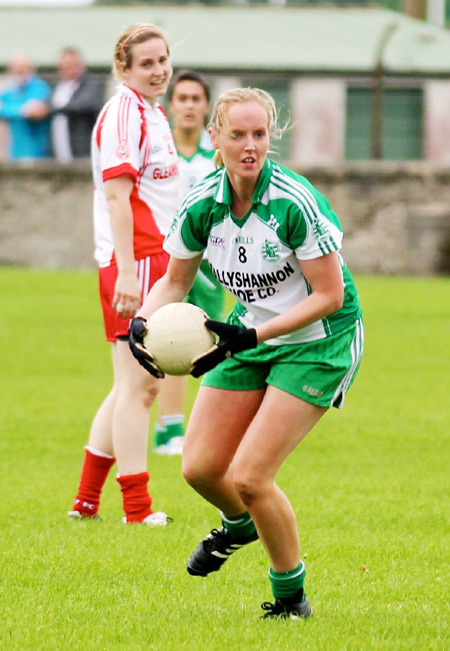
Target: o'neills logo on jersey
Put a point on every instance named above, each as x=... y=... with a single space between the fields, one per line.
x=166 y=171
x=242 y=240
x=122 y=150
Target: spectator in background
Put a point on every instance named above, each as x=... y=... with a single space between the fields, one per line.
x=23 y=106
x=76 y=101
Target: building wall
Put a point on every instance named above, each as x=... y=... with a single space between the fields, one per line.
x=396 y=218
x=318 y=116
x=437 y=122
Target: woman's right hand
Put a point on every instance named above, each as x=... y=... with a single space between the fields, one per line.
x=137 y=332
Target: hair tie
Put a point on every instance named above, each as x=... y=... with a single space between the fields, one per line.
x=129 y=37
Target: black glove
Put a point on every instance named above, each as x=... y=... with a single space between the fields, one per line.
x=233 y=339
x=138 y=330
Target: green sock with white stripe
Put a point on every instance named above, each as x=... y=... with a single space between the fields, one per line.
x=241 y=527
x=287 y=585
x=160 y=435
x=173 y=425
x=168 y=428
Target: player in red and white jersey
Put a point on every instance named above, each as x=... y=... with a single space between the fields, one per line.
x=137 y=191
x=133 y=138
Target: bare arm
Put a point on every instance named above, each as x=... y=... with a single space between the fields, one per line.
x=127 y=292
x=324 y=275
x=173 y=286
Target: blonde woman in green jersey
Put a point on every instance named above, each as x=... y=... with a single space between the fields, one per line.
x=290 y=348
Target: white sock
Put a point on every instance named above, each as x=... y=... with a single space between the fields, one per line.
x=98 y=453
x=174 y=419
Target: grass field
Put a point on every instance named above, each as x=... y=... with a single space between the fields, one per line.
x=370 y=487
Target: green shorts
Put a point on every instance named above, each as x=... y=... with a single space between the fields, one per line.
x=207 y=293
x=319 y=372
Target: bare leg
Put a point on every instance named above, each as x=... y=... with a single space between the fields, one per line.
x=235 y=444
x=280 y=424
x=216 y=426
x=136 y=392
x=120 y=427
x=172 y=395
x=100 y=436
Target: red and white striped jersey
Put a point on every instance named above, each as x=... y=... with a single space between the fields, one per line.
x=132 y=137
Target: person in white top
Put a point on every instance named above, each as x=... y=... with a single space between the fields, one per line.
x=75 y=103
x=189 y=102
x=137 y=191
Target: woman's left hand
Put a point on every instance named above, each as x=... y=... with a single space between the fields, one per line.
x=233 y=339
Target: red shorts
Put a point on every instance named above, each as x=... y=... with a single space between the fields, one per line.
x=149 y=270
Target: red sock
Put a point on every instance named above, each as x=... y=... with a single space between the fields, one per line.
x=136 y=498
x=93 y=476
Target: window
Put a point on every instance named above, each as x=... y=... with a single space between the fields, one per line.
x=401 y=124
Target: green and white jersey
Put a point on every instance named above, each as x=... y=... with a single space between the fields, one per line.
x=195 y=168
x=256 y=257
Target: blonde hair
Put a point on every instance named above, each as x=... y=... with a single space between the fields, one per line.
x=219 y=118
x=131 y=36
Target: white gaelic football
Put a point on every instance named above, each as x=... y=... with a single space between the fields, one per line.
x=176 y=335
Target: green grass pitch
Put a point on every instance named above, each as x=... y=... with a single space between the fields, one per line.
x=370 y=487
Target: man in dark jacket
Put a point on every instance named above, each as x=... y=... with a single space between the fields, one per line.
x=76 y=101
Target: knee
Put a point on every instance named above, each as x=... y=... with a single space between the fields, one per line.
x=198 y=474
x=144 y=392
x=189 y=473
x=150 y=392
x=194 y=474
x=249 y=486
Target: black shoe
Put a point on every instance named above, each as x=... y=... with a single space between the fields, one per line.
x=287 y=609
x=213 y=551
